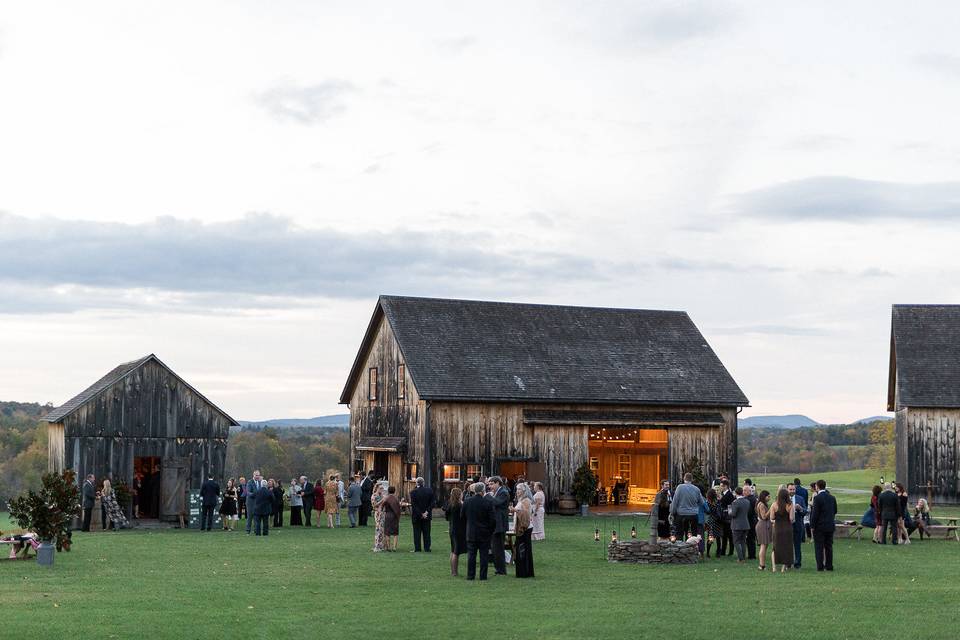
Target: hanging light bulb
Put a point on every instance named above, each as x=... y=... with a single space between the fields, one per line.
x=596 y=535
x=613 y=536
x=633 y=532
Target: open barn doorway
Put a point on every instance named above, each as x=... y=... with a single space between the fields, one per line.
x=147 y=481
x=629 y=462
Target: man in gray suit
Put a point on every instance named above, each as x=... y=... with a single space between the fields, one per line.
x=740 y=523
x=354 y=499
x=89 y=491
x=253 y=485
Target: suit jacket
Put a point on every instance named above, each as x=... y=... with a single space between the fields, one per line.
x=252 y=491
x=753 y=511
x=262 y=501
x=366 y=490
x=354 y=494
x=799 y=509
x=725 y=501
x=421 y=499
x=209 y=492
x=308 y=495
x=89 y=494
x=501 y=505
x=823 y=513
x=480 y=519
x=802 y=491
x=740 y=514
x=889 y=505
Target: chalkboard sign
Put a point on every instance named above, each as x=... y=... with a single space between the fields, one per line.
x=193 y=511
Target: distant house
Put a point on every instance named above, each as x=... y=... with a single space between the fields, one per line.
x=142 y=417
x=450 y=389
x=924 y=391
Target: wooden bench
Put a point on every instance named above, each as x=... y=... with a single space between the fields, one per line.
x=850 y=530
x=947 y=530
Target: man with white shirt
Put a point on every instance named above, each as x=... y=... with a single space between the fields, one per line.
x=799 y=511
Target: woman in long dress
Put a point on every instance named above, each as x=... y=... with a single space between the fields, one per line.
x=296 y=503
x=764 y=527
x=781 y=513
x=713 y=522
x=661 y=510
x=523 y=545
x=228 y=508
x=539 y=511
x=332 y=491
x=376 y=503
x=114 y=513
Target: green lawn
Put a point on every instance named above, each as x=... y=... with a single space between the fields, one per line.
x=318 y=583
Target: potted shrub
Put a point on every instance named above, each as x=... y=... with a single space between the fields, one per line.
x=49 y=513
x=584 y=487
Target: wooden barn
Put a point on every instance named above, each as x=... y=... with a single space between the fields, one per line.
x=450 y=389
x=142 y=418
x=924 y=391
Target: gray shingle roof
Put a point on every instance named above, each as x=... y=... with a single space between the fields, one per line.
x=471 y=350
x=925 y=356
x=381 y=443
x=116 y=374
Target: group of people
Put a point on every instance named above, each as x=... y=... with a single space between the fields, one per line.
x=263 y=499
x=739 y=520
x=890 y=512
x=111 y=513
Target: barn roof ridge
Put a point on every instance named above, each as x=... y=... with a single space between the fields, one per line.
x=115 y=375
x=529 y=352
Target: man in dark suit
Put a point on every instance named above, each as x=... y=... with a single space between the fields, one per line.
x=500 y=497
x=262 y=508
x=366 y=494
x=889 y=513
x=421 y=513
x=799 y=511
x=727 y=497
x=307 y=494
x=823 y=515
x=209 y=492
x=750 y=494
x=253 y=485
x=89 y=491
x=740 y=523
x=478 y=514
x=803 y=493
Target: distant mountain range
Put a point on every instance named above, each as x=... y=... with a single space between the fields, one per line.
x=337 y=420
x=794 y=421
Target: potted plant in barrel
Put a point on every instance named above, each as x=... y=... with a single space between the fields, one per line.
x=584 y=487
x=49 y=513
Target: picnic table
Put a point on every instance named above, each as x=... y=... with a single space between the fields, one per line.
x=20 y=545
x=856 y=529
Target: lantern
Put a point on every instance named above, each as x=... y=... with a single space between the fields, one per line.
x=613 y=536
x=596 y=535
x=633 y=532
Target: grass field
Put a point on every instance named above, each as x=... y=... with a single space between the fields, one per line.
x=317 y=583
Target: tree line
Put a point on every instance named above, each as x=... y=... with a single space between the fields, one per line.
x=823 y=448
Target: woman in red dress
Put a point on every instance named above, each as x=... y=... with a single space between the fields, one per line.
x=318 y=498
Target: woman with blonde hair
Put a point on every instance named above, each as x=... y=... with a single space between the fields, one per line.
x=921 y=516
x=523 y=545
x=376 y=503
x=110 y=506
x=331 y=491
x=539 y=511
x=228 y=508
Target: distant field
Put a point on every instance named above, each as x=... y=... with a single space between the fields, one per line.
x=305 y=583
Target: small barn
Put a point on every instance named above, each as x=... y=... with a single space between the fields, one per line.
x=451 y=389
x=142 y=418
x=924 y=391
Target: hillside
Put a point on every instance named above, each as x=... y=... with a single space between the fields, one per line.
x=793 y=421
x=336 y=420
x=819 y=448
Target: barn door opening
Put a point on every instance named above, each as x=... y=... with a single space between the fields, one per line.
x=381 y=464
x=146 y=474
x=175 y=474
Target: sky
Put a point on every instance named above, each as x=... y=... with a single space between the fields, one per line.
x=230 y=185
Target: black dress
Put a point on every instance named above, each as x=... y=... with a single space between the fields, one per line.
x=229 y=505
x=458 y=529
x=277 y=507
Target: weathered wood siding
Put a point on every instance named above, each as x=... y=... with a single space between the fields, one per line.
x=148 y=413
x=489 y=433
x=388 y=415
x=55 y=447
x=930 y=453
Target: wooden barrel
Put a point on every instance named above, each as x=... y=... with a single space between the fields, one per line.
x=567 y=505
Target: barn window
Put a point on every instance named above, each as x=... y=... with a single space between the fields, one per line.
x=412 y=469
x=372 y=395
x=451 y=473
x=401 y=381
x=474 y=470
x=595 y=464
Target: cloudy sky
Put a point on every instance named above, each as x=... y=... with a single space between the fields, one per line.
x=230 y=185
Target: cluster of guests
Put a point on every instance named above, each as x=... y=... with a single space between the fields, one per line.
x=263 y=499
x=738 y=520
x=111 y=513
x=889 y=512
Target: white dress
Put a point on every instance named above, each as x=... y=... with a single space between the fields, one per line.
x=536 y=517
